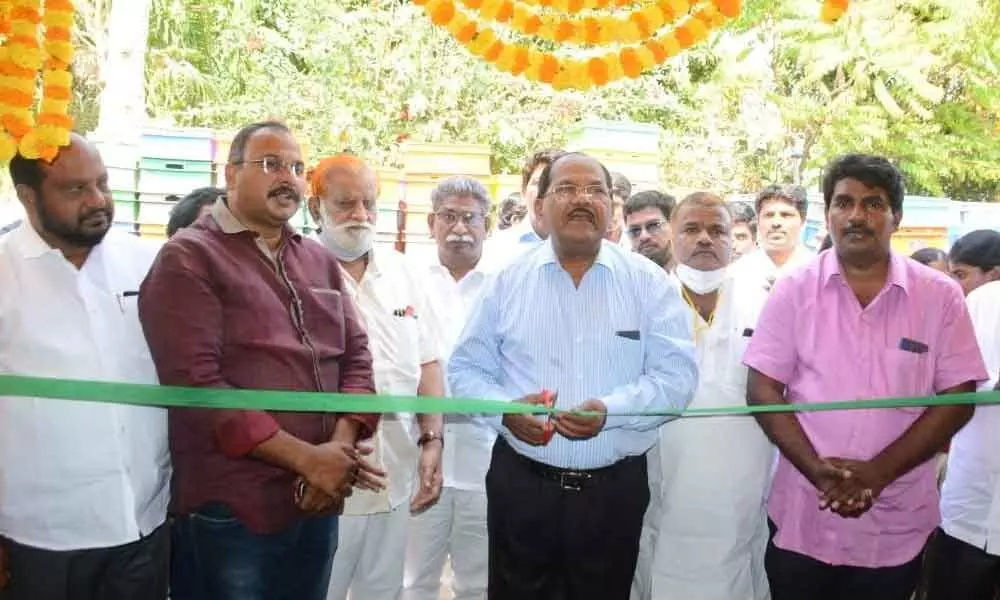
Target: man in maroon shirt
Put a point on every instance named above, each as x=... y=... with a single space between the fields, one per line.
x=241 y=300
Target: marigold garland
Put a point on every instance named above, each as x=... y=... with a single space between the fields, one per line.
x=22 y=58
x=651 y=33
x=638 y=25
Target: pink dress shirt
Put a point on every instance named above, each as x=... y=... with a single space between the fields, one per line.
x=814 y=336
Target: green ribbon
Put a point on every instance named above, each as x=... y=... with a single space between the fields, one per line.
x=279 y=400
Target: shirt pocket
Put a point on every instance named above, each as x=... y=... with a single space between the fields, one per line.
x=407 y=331
x=907 y=374
x=625 y=352
x=323 y=320
x=736 y=373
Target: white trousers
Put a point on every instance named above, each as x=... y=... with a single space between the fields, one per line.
x=455 y=527
x=370 y=554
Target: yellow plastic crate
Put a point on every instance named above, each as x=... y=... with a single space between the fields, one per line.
x=447 y=159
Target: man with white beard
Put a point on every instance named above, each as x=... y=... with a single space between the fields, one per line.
x=373 y=531
x=705 y=531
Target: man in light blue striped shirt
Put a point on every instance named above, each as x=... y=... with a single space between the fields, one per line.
x=605 y=331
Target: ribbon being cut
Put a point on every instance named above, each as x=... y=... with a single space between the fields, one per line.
x=280 y=400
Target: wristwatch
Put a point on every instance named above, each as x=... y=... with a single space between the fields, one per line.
x=430 y=436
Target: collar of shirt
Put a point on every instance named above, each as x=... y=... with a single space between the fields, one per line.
x=829 y=269
x=28 y=243
x=545 y=254
x=230 y=225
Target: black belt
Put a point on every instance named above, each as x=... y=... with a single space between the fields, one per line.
x=572 y=480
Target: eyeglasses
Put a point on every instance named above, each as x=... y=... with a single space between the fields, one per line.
x=469 y=219
x=569 y=191
x=652 y=228
x=273 y=164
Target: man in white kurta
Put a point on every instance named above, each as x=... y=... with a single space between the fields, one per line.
x=708 y=476
x=371 y=547
x=455 y=527
x=84 y=486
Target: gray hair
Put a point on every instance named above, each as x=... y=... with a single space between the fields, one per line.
x=460 y=185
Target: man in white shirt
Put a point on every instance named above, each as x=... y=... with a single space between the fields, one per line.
x=781 y=213
x=504 y=246
x=372 y=532
x=964 y=555
x=83 y=486
x=455 y=527
x=706 y=524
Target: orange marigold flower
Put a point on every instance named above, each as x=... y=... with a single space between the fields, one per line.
x=56 y=120
x=506 y=12
x=62 y=5
x=520 y=61
x=473 y=4
x=684 y=36
x=575 y=6
x=23 y=13
x=444 y=13
x=659 y=52
x=58 y=93
x=532 y=25
x=549 y=69
x=591 y=30
x=60 y=34
x=16 y=126
x=564 y=31
x=730 y=8
x=597 y=70
x=839 y=3
x=642 y=23
x=493 y=52
x=467 y=33
x=630 y=62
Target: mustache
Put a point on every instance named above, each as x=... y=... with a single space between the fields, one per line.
x=858 y=229
x=93 y=213
x=465 y=239
x=285 y=189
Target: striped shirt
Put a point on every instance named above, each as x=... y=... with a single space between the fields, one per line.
x=624 y=336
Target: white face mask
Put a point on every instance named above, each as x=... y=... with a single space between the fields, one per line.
x=348 y=241
x=700 y=282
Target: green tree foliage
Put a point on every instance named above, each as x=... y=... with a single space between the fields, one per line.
x=772 y=97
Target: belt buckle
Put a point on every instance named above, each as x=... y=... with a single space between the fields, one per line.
x=572 y=480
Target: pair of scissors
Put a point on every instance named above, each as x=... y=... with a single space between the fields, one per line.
x=549 y=430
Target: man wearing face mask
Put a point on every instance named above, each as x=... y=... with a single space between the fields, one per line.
x=373 y=531
x=706 y=524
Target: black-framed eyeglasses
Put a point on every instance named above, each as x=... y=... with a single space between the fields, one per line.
x=652 y=228
x=469 y=219
x=273 y=164
x=569 y=191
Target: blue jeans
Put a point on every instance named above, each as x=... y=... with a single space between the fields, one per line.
x=216 y=558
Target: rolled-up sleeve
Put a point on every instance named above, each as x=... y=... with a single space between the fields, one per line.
x=670 y=372
x=182 y=319
x=356 y=375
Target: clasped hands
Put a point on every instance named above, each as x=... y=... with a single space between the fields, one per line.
x=848 y=487
x=329 y=474
x=538 y=430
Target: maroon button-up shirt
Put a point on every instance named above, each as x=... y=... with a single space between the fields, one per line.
x=220 y=310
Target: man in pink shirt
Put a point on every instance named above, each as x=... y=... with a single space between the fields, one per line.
x=855 y=496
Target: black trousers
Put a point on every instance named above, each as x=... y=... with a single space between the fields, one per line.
x=959 y=571
x=136 y=571
x=572 y=540
x=794 y=576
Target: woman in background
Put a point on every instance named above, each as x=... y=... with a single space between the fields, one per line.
x=934 y=258
x=975 y=259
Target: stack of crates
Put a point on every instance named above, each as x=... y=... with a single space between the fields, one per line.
x=632 y=149
x=122 y=161
x=173 y=162
x=424 y=167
